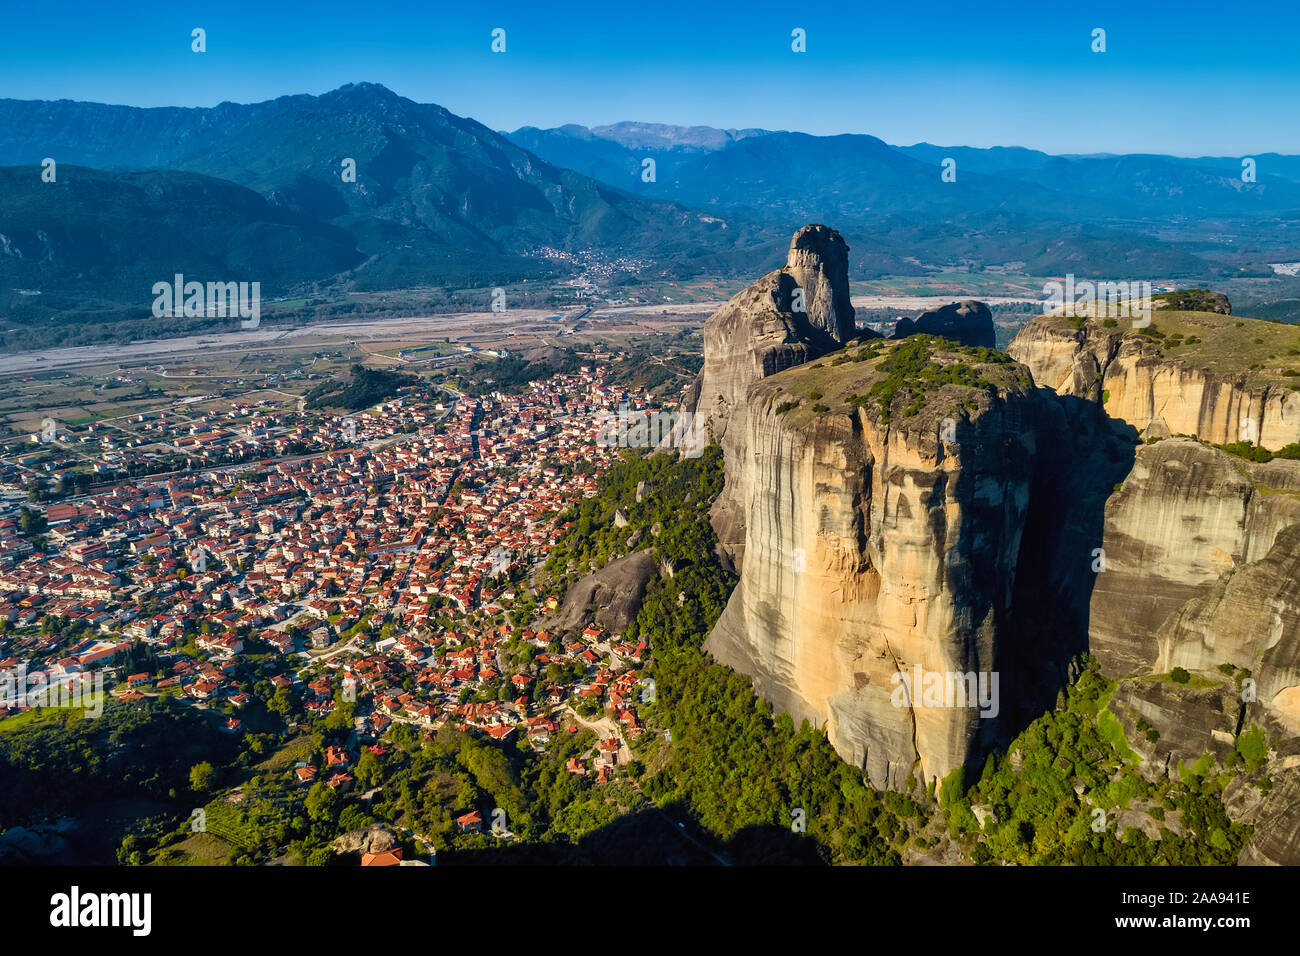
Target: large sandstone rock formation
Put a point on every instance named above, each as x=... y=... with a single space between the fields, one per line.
x=1200 y=550
x=1151 y=388
x=819 y=264
x=968 y=322
x=1005 y=527
x=1202 y=569
x=761 y=331
x=1186 y=516
x=1250 y=618
x=876 y=543
x=1197 y=545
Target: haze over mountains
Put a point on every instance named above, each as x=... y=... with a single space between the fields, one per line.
x=862 y=176
x=441 y=200
x=1098 y=186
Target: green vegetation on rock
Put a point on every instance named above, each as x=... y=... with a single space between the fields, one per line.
x=1063 y=794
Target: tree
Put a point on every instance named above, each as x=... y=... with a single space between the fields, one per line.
x=322 y=803
x=368 y=772
x=31 y=522
x=202 y=777
x=281 y=702
x=340 y=717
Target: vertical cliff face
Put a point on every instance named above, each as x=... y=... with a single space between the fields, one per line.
x=1161 y=385
x=1250 y=618
x=880 y=536
x=1184 y=518
x=1202 y=569
x=763 y=330
x=1273 y=812
x=1201 y=549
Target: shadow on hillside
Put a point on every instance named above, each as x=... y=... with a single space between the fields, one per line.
x=652 y=837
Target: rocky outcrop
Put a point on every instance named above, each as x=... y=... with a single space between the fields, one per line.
x=43 y=844
x=1185 y=721
x=611 y=596
x=968 y=322
x=1269 y=800
x=371 y=839
x=819 y=264
x=1184 y=517
x=1145 y=384
x=761 y=331
x=878 y=542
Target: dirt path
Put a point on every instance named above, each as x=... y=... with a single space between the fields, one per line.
x=604 y=728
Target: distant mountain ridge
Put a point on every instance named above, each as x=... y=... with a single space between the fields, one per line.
x=664 y=136
x=441 y=201
x=438 y=200
x=1095 y=213
x=426 y=179
x=751 y=169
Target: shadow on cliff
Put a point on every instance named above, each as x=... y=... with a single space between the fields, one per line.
x=1084 y=455
x=652 y=837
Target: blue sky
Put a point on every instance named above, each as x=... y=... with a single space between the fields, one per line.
x=1192 y=78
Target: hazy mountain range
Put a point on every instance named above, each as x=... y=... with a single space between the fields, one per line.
x=258 y=192
x=854 y=176
x=437 y=197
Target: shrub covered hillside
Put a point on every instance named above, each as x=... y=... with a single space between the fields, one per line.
x=750 y=780
x=743 y=775
x=1067 y=791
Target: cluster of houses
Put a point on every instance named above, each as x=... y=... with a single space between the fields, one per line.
x=433 y=511
x=448 y=672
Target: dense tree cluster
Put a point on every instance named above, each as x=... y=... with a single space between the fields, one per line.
x=364 y=387
x=1059 y=793
x=64 y=761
